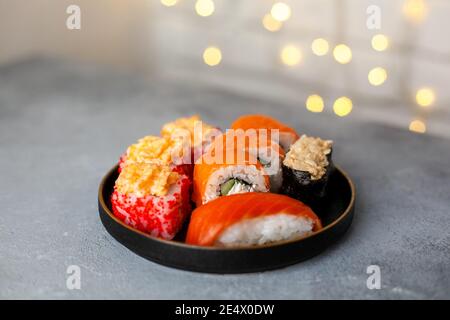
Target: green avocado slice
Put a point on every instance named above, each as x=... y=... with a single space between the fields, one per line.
x=226 y=186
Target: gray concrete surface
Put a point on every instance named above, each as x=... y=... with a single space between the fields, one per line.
x=62 y=126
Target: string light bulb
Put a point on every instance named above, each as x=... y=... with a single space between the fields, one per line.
x=342 y=54
x=415 y=10
x=320 y=47
x=169 y=3
x=281 y=11
x=425 y=97
x=212 y=56
x=380 y=42
x=314 y=103
x=418 y=126
x=291 y=55
x=342 y=106
x=204 y=8
x=270 y=23
x=377 y=76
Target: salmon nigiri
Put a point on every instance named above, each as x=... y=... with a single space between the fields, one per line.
x=258 y=121
x=250 y=219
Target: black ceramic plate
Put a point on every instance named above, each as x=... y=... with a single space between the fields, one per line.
x=336 y=214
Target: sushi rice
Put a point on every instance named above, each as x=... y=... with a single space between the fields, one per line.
x=264 y=230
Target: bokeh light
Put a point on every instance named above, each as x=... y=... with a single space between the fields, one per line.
x=169 y=3
x=342 y=106
x=271 y=24
x=415 y=10
x=418 y=126
x=342 y=54
x=291 y=55
x=320 y=47
x=314 y=103
x=204 y=8
x=212 y=56
x=377 y=76
x=425 y=97
x=281 y=11
x=380 y=42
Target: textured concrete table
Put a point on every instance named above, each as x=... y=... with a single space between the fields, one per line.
x=62 y=126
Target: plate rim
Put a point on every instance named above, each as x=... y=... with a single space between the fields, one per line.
x=343 y=215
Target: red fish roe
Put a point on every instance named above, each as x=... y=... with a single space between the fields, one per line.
x=159 y=216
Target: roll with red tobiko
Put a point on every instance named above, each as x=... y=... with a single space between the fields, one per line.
x=175 y=153
x=152 y=198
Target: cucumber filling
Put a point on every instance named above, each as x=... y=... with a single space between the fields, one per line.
x=234 y=186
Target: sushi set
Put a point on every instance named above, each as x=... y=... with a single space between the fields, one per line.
x=255 y=197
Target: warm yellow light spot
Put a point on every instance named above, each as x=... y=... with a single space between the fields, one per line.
x=425 y=97
x=291 y=55
x=380 y=42
x=377 y=76
x=271 y=24
x=314 y=103
x=280 y=11
x=342 y=54
x=204 y=8
x=169 y=3
x=212 y=56
x=417 y=126
x=342 y=106
x=415 y=10
x=320 y=47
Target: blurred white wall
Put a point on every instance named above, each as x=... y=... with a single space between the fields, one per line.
x=169 y=42
x=112 y=31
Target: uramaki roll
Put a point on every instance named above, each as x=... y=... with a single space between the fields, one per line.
x=152 y=198
x=223 y=172
x=257 y=144
x=194 y=131
x=287 y=135
x=175 y=153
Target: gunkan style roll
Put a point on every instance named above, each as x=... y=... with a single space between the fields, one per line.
x=306 y=169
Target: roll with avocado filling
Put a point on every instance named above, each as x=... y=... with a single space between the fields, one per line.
x=234 y=186
x=237 y=175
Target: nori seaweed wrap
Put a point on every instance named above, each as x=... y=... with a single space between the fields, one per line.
x=306 y=170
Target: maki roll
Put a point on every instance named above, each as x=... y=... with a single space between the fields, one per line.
x=222 y=172
x=307 y=168
x=287 y=135
x=251 y=219
x=152 y=198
